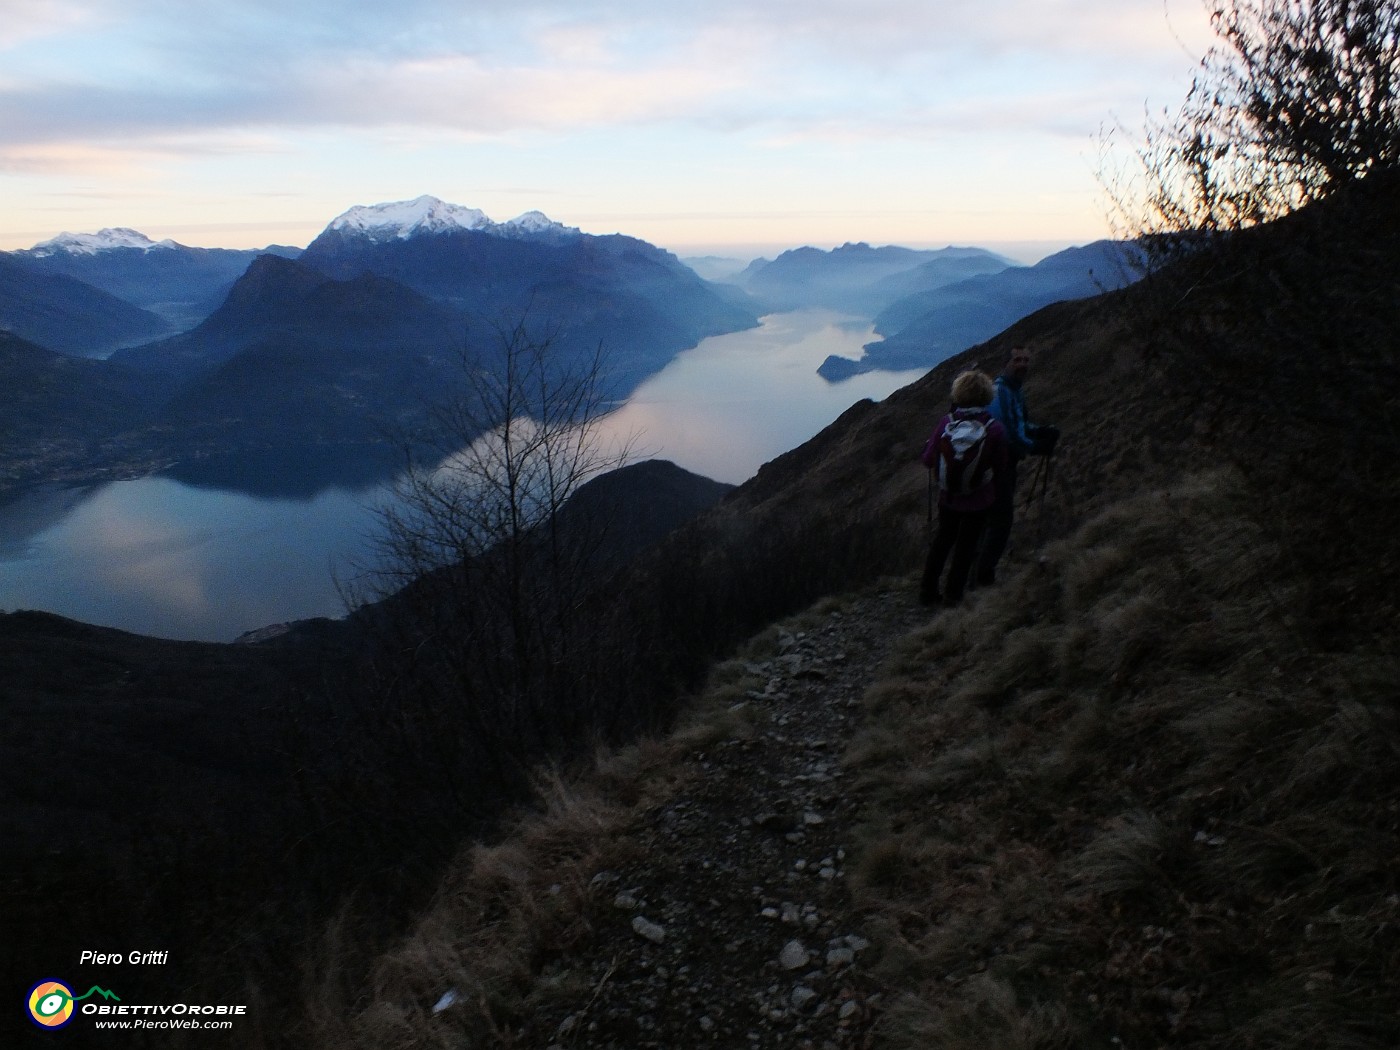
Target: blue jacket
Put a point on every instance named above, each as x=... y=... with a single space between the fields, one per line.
x=1009 y=409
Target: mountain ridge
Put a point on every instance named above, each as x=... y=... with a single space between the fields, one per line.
x=372 y=329
x=180 y=284
x=401 y=220
x=855 y=277
x=69 y=315
x=937 y=321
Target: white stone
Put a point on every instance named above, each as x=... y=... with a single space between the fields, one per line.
x=793 y=956
x=643 y=927
x=840 y=957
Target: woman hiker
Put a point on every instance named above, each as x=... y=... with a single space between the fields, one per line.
x=967 y=454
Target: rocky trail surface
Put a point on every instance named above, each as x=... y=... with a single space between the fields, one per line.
x=734 y=926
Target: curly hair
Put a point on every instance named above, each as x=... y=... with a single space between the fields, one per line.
x=973 y=390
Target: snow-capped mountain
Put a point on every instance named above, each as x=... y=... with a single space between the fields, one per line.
x=369 y=322
x=92 y=243
x=401 y=220
x=176 y=282
x=536 y=224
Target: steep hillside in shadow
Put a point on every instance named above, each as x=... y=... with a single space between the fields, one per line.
x=219 y=801
x=66 y=315
x=1140 y=792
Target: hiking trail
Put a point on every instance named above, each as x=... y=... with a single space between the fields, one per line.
x=733 y=927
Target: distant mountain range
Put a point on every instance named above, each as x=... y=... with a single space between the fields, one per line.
x=179 y=284
x=934 y=321
x=929 y=305
x=213 y=351
x=640 y=303
x=859 y=279
x=68 y=315
x=340 y=343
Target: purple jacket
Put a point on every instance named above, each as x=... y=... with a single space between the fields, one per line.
x=996 y=451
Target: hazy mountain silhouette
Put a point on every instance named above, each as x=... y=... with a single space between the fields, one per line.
x=67 y=315
x=931 y=325
x=640 y=303
x=857 y=278
x=183 y=285
x=294 y=356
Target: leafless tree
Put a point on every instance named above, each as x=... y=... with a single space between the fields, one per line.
x=1297 y=99
x=487 y=586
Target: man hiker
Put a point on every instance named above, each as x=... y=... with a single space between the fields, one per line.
x=1024 y=438
x=966 y=454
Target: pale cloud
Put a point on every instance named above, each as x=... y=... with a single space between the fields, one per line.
x=72 y=158
x=701 y=102
x=542 y=65
x=29 y=20
x=461 y=93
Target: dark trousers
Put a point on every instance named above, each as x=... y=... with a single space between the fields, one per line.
x=998 y=527
x=958 y=533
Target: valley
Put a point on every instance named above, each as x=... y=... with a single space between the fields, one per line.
x=253 y=538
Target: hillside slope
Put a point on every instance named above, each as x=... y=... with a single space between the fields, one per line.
x=1113 y=798
x=1139 y=793
x=66 y=315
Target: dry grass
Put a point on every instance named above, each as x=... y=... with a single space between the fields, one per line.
x=1120 y=798
x=509 y=909
x=1116 y=800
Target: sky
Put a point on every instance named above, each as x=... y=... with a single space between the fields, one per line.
x=729 y=127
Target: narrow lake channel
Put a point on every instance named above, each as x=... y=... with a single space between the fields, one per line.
x=164 y=557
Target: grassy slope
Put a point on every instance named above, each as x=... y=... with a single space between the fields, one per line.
x=1123 y=798
x=1119 y=797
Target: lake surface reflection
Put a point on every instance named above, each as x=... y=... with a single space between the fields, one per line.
x=734 y=402
x=212 y=553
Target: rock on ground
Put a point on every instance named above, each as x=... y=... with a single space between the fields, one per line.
x=734 y=926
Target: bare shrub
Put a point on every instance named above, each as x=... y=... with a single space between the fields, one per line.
x=488 y=592
x=1270 y=218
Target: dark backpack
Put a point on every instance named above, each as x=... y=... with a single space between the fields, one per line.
x=959 y=455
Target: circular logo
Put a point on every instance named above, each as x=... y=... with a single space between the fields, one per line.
x=51 y=1004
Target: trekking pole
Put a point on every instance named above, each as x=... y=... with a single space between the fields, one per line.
x=1048 y=466
x=928 y=530
x=1068 y=494
x=1035 y=480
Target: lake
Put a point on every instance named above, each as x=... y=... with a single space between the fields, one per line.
x=181 y=557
